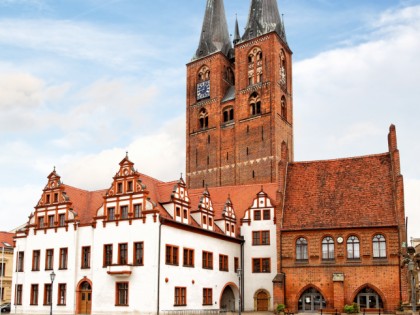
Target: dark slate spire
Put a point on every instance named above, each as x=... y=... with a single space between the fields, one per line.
x=214 y=34
x=263 y=18
x=237 y=37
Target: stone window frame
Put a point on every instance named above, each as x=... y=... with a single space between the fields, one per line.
x=301 y=249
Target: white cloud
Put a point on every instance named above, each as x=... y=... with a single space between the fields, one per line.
x=15 y=208
x=20 y=90
x=77 y=40
x=412 y=206
x=346 y=98
x=160 y=155
x=373 y=83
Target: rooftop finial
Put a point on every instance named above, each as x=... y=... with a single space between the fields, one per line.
x=126 y=154
x=237 y=37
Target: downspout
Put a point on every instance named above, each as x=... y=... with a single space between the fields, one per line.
x=241 y=289
x=281 y=238
x=76 y=246
x=161 y=220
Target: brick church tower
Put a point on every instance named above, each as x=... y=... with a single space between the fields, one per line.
x=239 y=99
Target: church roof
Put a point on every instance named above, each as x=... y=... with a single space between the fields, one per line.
x=264 y=18
x=214 y=34
x=352 y=192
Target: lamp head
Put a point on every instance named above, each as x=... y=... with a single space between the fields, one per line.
x=52 y=276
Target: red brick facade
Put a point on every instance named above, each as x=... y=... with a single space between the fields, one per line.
x=355 y=203
x=246 y=148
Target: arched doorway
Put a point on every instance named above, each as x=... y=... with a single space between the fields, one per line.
x=311 y=300
x=227 y=302
x=368 y=298
x=261 y=301
x=84 y=298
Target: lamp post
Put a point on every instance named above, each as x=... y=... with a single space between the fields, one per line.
x=412 y=260
x=239 y=274
x=52 y=277
x=2 y=273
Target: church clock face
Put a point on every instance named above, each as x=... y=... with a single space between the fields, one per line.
x=203 y=90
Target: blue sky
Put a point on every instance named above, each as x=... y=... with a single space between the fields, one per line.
x=83 y=81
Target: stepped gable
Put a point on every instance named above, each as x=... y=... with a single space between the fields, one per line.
x=85 y=203
x=351 y=192
x=242 y=197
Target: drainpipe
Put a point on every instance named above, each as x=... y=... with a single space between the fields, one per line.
x=242 y=285
x=161 y=221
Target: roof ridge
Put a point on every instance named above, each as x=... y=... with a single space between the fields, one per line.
x=359 y=157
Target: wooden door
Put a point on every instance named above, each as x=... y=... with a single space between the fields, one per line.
x=85 y=298
x=262 y=301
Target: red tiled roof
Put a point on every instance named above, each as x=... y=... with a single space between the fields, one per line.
x=241 y=197
x=165 y=190
x=340 y=193
x=84 y=202
x=6 y=237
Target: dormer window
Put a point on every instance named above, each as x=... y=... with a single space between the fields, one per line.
x=119 y=188
x=56 y=197
x=130 y=186
x=48 y=199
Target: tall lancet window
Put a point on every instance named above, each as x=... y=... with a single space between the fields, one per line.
x=255 y=66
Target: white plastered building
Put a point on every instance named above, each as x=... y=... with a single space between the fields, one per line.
x=145 y=246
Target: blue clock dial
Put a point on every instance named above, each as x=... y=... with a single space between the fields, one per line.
x=203 y=90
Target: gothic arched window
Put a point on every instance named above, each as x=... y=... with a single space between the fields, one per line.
x=203 y=119
x=255 y=104
x=353 y=247
x=301 y=249
x=328 y=248
x=228 y=114
x=379 y=246
x=204 y=74
x=283 y=72
x=255 y=69
x=283 y=108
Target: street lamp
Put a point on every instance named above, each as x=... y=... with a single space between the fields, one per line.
x=52 y=277
x=239 y=274
x=412 y=260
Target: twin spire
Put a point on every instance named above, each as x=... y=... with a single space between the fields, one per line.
x=214 y=34
x=263 y=18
